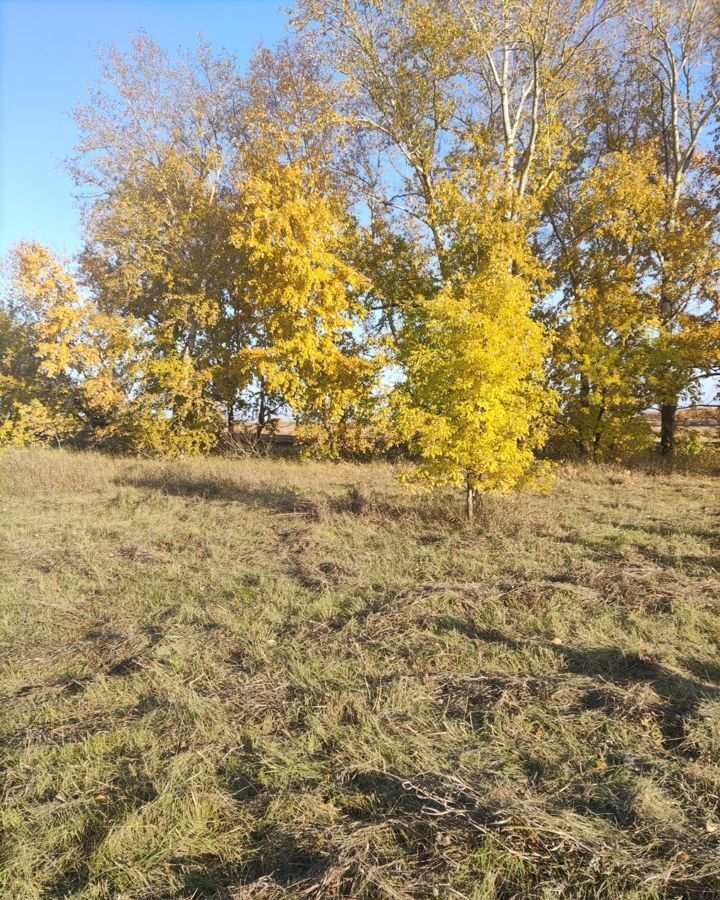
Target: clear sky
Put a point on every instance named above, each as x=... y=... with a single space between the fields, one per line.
x=48 y=58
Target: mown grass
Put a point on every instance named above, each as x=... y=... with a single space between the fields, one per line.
x=266 y=679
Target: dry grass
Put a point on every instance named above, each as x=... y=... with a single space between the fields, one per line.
x=267 y=679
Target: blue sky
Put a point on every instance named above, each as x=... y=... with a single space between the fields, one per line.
x=48 y=58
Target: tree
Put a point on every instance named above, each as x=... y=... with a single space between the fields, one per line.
x=221 y=230
x=157 y=152
x=605 y=321
x=306 y=295
x=474 y=405
x=673 y=47
x=460 y=117
x=70 y=369
x=293 y=227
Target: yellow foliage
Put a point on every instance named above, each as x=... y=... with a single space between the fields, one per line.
x=305 y=294
x=637 y=328
x=474 y=406
x=98 y=376
x=36 y=423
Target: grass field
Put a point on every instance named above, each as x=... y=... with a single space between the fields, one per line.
x=267 y=679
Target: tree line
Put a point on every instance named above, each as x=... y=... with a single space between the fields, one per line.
x=474 y=228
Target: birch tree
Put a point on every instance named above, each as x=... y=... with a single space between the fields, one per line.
x=464 y=112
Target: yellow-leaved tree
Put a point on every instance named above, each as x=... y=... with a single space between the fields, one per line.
x=76 y=366
x=462 y=119
x=474 y=404
x=292 y=228
x=673 y=50
x=307 y=297
x=159 y=139
x=606 y=320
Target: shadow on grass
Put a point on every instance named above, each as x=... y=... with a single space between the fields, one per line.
x=284 y=858
x=384 y=796
x=471 y=630
x=703 y=668
x=687 y=561
x=76 y=875
x=613 y=547
x=276 y=499
x=680 y=695
x=665 y=531
x=441 y=510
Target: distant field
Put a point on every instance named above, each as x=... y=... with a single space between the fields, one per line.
x=700 y=420
x=269 y=679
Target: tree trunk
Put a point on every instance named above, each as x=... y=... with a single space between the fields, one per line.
x=597 y=440
x=582 y=442
x=470 y=501
x=667 y=430
x=262 y=415
x=191 y=339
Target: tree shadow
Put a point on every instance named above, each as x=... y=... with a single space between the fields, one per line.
x=284 y=857
x=388 y=796
x=447 y=623
x=703 y=668
x=274 y=498
x=687 y=562
x=680 y=695
x=76 y=875
x=442 y=510
x=665 y=530
x=599 y=668
x=609 y=549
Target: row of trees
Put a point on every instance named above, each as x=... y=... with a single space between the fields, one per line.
x=471 y=226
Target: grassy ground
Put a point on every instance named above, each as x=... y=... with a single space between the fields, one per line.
x=267 y=679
